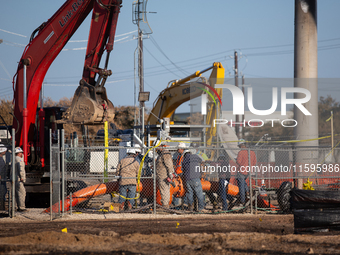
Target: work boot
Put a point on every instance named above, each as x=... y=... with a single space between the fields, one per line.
x=129 y=205
x=215 y=206
x=22 y=210
x=121 y=207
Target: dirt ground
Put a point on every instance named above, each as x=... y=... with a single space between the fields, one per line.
x=160 y=234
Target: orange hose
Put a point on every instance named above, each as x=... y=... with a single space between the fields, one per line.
x=85 y=194
x=107 y=188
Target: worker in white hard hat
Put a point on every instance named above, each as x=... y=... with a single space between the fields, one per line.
x=180 y=150
x=3 y=177
x=128 y=169
x=164 y=172
x=20 y=179
x=181 y=147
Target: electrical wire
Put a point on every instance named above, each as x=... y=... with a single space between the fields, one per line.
x=159 y=48
x=158 y=61
x=12 y=33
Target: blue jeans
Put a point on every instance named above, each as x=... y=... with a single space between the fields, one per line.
x=194 y=187
x=222 y=188
x=242 y=186
x=175 y=201
x=128 y=191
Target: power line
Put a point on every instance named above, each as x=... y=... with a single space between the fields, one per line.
x=159 y=48
x=159 y=61
x=12 y=33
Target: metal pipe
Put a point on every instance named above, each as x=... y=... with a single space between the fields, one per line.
x=24 y=116
x=154 y=181
x=51 y=175
x=250 y=184
x=143 y=126
x=13 y=173
x=59 y=177
x=42 y=128
x=71 y=203
x=63 y=168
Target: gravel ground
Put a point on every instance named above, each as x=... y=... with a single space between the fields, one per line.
x=37 y=214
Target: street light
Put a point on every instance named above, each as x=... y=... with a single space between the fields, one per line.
x=143 y=96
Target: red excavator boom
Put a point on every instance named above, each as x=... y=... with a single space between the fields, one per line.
x=90 y=104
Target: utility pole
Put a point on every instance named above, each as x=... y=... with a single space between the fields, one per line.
x=236 y=84
x=139 y=18
x=140 y=64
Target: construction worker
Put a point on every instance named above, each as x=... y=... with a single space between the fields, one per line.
x=224 y=178
x=164 y=172
x=20 y=179
x=178 y=167
x=243 y=169
x=128 y=169
x=192 y=181
x=3 y=177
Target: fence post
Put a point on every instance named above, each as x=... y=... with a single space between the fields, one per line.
x=250 y=182
x=71 y=203
x=51 y=174
x=62 y=170
x=13 y=173
x=154 y=181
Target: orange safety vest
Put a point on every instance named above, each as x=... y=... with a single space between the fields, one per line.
x=178 y=168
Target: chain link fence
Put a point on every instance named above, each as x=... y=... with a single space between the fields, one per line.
x=114 y=179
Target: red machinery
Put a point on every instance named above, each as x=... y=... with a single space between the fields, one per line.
x=90 y=104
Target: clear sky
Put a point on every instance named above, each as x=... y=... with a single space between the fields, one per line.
x=188 y=35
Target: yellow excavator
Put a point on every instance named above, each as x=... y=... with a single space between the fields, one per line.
x=180 y=91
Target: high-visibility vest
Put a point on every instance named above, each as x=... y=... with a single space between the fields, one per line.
x=178 y=168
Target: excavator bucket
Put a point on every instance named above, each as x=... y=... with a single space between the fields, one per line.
x=90 y=106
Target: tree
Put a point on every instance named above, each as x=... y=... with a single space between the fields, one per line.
x=326 y=105
x=278 y=132
x=5 y=110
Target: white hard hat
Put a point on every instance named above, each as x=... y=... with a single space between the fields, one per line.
x=182 y=145
x=186 y=151
x=2 y=148
x=18 y=150
x=241 y=141
x=131 y=151
x=137 y=148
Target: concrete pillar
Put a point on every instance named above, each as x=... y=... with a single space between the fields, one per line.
x=305 y=74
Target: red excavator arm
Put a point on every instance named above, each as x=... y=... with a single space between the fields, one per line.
x=90 y=104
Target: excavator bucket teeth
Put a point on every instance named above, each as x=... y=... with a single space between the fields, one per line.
x=90 y=106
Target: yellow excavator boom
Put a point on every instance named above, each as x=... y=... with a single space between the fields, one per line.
x=181 y=91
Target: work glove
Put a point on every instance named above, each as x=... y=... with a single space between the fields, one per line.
x=171 y=182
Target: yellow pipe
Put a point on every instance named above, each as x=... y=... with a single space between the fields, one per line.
x=106 y=151
x=184 y=80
